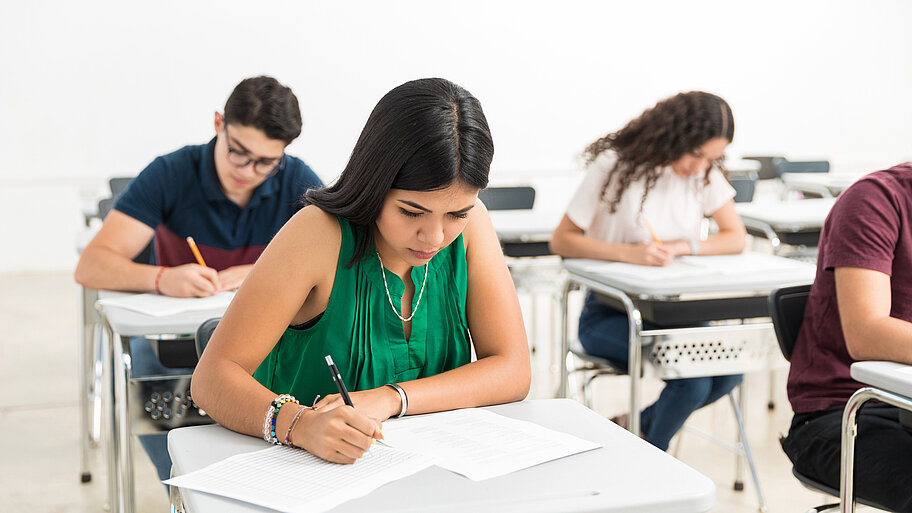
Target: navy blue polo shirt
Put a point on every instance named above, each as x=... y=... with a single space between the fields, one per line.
x=179 y=195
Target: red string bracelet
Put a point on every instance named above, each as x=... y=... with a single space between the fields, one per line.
x=157 y=278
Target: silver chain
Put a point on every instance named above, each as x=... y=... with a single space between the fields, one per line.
x=390 y=298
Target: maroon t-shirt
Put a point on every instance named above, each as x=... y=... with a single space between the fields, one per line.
x=870 y=227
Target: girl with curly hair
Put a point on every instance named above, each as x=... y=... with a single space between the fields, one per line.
x=647 y=189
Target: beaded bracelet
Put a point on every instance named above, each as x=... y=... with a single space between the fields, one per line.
x=272 y=413
x=292 y=425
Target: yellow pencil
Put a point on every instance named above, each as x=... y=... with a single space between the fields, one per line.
x=651 y=231
x=196 y=252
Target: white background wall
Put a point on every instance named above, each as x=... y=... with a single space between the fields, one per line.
x=90 y=90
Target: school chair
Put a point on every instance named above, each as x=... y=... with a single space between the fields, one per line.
x=786 y=306
x=744 y=185
x=593 y=367
x=91 y=364
x=204 y=333
x=514 y=198
x=768 y=166
x=532 y=266
x=118 y=184
x=810 y=166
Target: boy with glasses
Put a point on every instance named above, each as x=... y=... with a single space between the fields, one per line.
x=231 y=195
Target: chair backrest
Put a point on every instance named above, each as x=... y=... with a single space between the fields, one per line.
x=808 y=166
x=104 y=208
x=508 y=198
x=204 y=333
x=118 y=184
x=786 y=307
x=768 y=166
x=744 y=185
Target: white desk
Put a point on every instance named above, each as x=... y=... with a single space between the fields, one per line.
x=118 y=323
x=827 y=185
x=889 y=382
x=627 y=475
x=525 y=225
x=795 y=223
x=700 y=296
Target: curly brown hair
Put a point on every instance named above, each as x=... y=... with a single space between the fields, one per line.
x=659 y=137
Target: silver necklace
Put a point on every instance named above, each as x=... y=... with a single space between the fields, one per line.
x=390 y=298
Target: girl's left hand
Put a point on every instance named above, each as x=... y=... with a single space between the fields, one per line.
x=378 y=403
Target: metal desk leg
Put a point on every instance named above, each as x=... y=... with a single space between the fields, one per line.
x=87 y=388
x=565 y=343
x=112 y=452
x=850 y=429
x=122 y=426
x=634 y=361
x=744 y=450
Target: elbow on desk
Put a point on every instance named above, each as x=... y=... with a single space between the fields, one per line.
x=557 y=245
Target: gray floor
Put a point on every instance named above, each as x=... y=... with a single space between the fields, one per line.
x=39 y=323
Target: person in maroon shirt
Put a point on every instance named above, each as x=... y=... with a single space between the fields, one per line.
x=860 y=308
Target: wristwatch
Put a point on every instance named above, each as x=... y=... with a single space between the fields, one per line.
x=694 y=247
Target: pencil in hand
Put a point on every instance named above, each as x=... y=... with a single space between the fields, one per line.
x=196 y=252
x=651 y=231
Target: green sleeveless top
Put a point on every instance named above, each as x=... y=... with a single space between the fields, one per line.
x=364 y=336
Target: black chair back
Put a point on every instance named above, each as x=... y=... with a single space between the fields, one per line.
x=104 y=208
x=809 y=166
x=786 y=307
x=508 y=198
x=204 y=333
x=769 y=166
x=118 y=184
x=744 y=185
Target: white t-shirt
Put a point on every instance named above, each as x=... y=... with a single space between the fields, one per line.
x=675 y=207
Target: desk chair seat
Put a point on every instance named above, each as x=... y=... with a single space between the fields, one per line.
x=786 y=307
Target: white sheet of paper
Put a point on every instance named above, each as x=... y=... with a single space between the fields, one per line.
x=480 y=444
x=677 y=269
x=745 y=263
x=158 y=306
x=293 y=480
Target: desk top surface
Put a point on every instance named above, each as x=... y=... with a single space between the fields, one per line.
x=525 y=225
x=135 y=324
x=743 y=275
x=890 y=376
x=787 y=215
x=837 y=182
x=621 y=476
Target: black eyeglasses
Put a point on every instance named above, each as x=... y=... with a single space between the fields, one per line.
x=264 y=167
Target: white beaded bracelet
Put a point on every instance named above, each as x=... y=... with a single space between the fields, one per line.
x=402 y=396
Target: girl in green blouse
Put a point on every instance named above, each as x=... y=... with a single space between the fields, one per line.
x=388 y=271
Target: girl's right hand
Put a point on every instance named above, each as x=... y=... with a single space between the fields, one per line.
x=650 y=254
x=339 y=435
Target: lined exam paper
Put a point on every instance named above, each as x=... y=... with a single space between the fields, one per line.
x=293 y=480
x=480 y=444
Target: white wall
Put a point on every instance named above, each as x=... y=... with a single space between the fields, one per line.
x=90 y=90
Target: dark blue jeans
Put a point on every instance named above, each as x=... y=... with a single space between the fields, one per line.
x=604 y=331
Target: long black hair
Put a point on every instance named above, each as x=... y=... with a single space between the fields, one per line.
x=422 y=136
x=661 y=135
